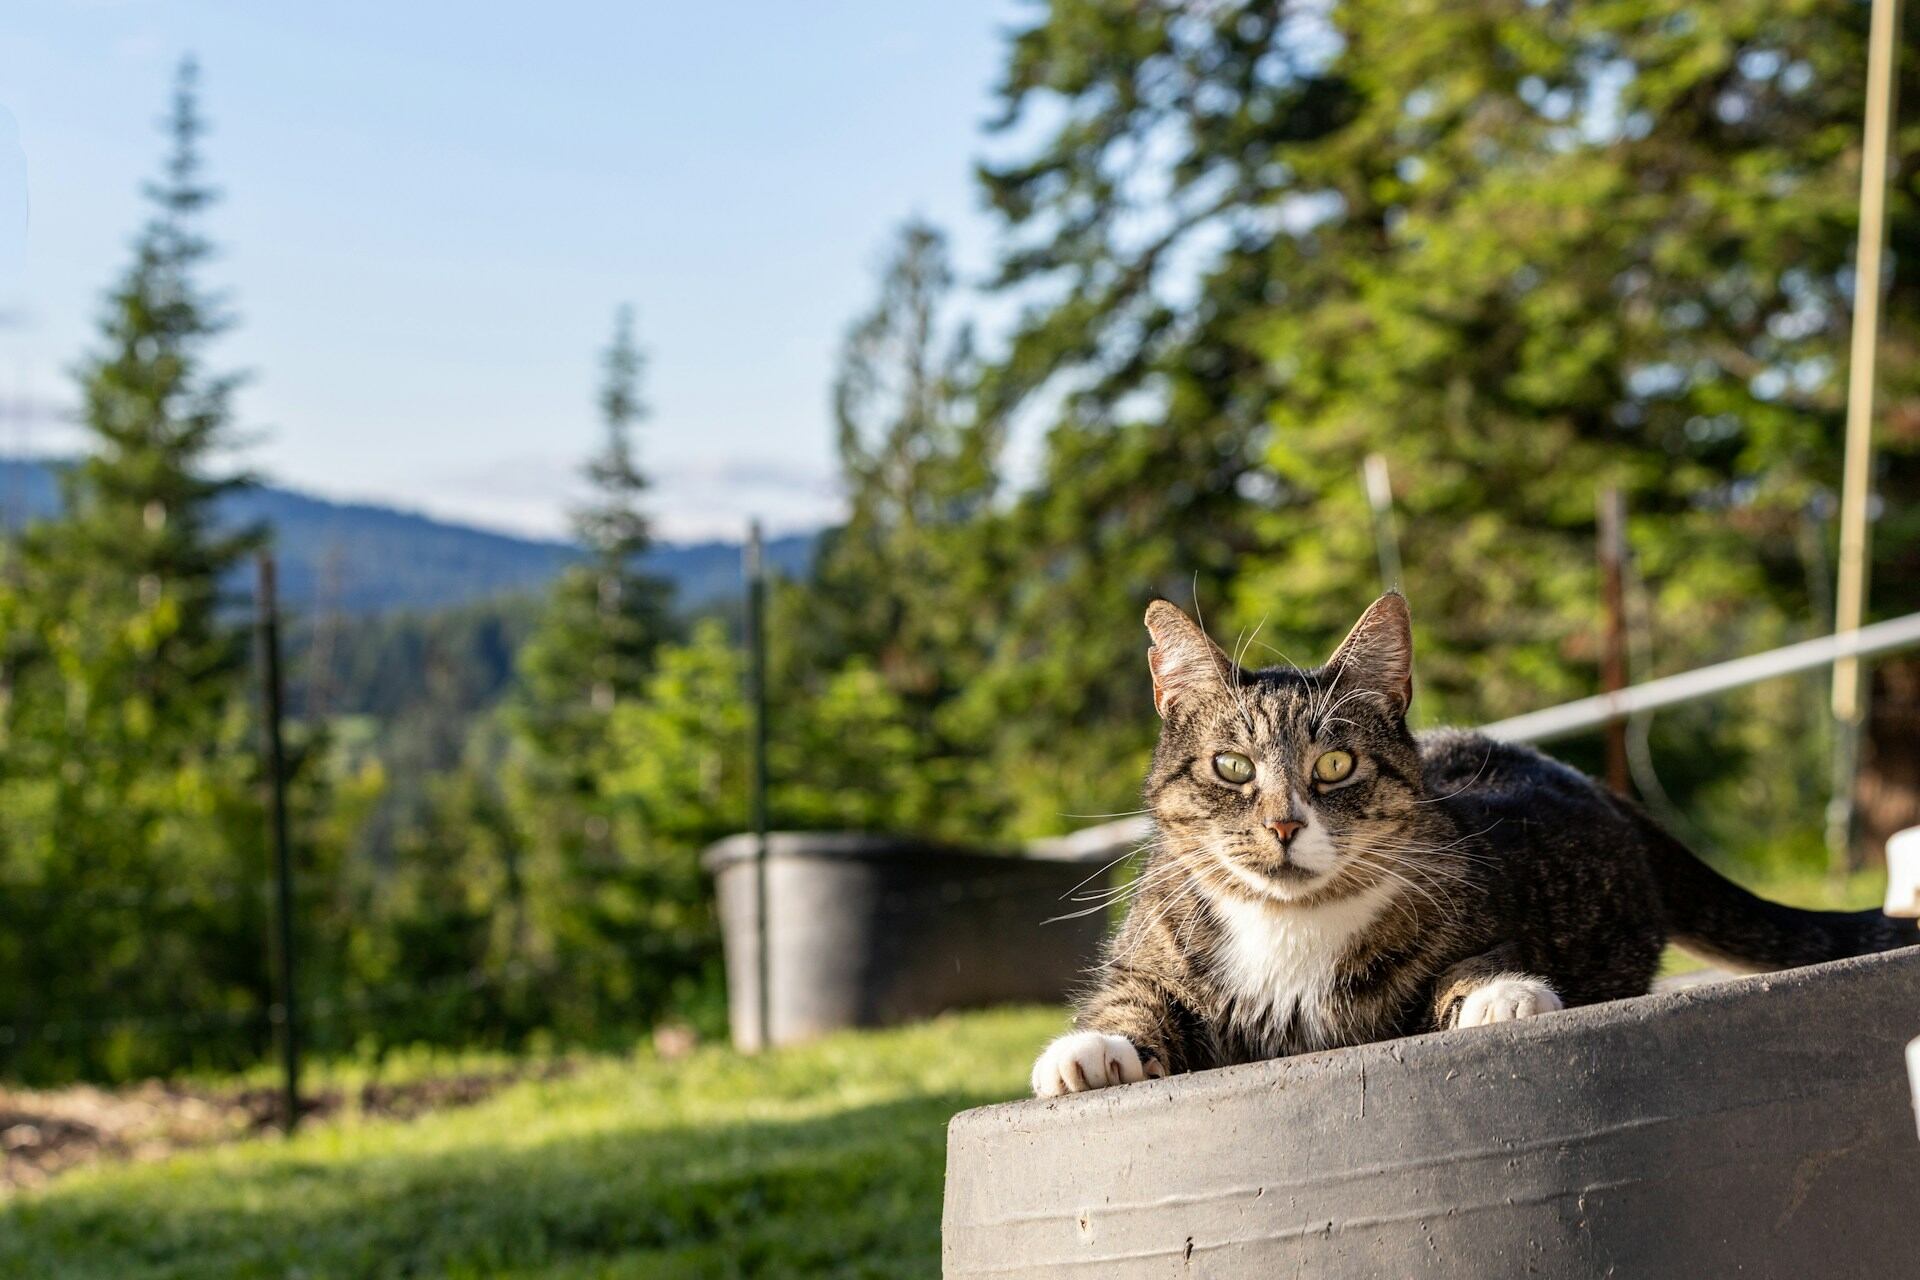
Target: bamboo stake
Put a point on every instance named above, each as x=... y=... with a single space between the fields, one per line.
x=1849 y=693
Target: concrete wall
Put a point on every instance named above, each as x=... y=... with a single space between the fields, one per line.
x=1757 y=1127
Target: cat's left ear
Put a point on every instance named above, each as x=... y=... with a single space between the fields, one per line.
x=1377 y=654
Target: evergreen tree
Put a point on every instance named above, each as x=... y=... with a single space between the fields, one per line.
x=130 y=798
x=605 y=617
x=138 y=534
x=1523 y=250
x=908 y=586
x=593 y=873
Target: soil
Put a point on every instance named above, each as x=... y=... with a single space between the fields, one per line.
x=46 y=1132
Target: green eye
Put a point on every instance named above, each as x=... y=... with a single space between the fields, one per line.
x=1233 y=767
x=1333 y=766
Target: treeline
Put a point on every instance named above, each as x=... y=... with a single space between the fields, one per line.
x=1522 y=252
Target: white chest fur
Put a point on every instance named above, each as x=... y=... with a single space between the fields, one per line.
x=1279 y=959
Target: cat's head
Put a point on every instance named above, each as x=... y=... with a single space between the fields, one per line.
x=1285 y=784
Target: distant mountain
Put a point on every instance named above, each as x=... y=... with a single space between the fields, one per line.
x=366 y=559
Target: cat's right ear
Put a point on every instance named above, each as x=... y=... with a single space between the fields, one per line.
x=1183 y=661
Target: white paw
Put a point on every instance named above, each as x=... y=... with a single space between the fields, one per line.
x=1083 y=1060
x=1505 y=999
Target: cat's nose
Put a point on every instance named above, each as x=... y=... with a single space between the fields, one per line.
x=1284 y=828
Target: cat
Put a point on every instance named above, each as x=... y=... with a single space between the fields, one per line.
x=1324 y=877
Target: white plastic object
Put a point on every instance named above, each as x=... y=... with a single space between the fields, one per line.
x=1903 y=873
x=1913 y=1074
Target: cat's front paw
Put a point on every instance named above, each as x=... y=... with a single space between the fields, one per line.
x=1506 y=1000
x=1083 y=1060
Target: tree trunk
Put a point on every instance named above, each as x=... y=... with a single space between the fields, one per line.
x=1887 y=794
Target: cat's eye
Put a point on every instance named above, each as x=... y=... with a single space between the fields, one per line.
x=1233 y=767
x=1333 y=766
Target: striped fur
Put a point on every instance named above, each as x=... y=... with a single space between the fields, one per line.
x=1448 y=880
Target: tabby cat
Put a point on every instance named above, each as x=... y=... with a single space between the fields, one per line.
x=1324 y=877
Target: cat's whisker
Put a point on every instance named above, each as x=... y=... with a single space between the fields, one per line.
x=1426 y=860
x=1305 y=673
x=1440 y=881
x=1451 y=852
x=1465 y=837
x=1175 y=866
x=1425 y=891
x=1231 y=687
x=1468 y=783
x=1240 y=653
x=1427 y=865
x=1131 y=887
x=1134 y=852
x=1239 y=693
x=1451 y=849
x=1345 y=698
x=1147 y=930
x=1317 y=708
x=1437 y=895
x=1287 y=660
x=1171 y=868
x=1064 y=916
x=1239 y=663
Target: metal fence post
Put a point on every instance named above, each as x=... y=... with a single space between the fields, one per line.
x=285 y=1021
x=756 y=574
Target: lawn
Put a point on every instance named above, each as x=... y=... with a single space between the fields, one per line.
x=821 y=1160
x=826 y=1159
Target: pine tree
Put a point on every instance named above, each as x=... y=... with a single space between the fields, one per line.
x=910 y=587
x=130 y=794
x=902 y=583
x=1523 y=250
x=592 y=868
x=606 y=616
x=138 y=535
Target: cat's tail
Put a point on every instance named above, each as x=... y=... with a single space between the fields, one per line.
x=1717 y=920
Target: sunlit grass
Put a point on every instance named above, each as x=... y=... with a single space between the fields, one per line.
x=826 y=1159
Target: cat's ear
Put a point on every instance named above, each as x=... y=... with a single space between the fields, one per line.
x=1377 y=655
x=1183 y=661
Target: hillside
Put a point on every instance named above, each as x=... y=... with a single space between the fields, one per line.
x=363 y=558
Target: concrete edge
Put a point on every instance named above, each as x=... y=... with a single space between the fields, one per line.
x=1436 y=1049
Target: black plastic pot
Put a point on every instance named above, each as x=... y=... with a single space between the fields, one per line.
x=868 y=930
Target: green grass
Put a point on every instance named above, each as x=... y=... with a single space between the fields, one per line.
x=821 y=1160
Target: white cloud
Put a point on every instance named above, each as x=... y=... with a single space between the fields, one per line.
x=714 y=498
x=13 y=212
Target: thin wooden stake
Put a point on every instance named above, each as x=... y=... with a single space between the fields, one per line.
x=1849 y=693
x=1613 y=652
x=1386 y=538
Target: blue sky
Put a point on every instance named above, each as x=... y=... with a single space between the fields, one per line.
x=433 y=209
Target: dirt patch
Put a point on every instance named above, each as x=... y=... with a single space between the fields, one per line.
x=45 y=1132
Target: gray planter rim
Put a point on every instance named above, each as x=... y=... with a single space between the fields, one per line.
x=866 y=846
